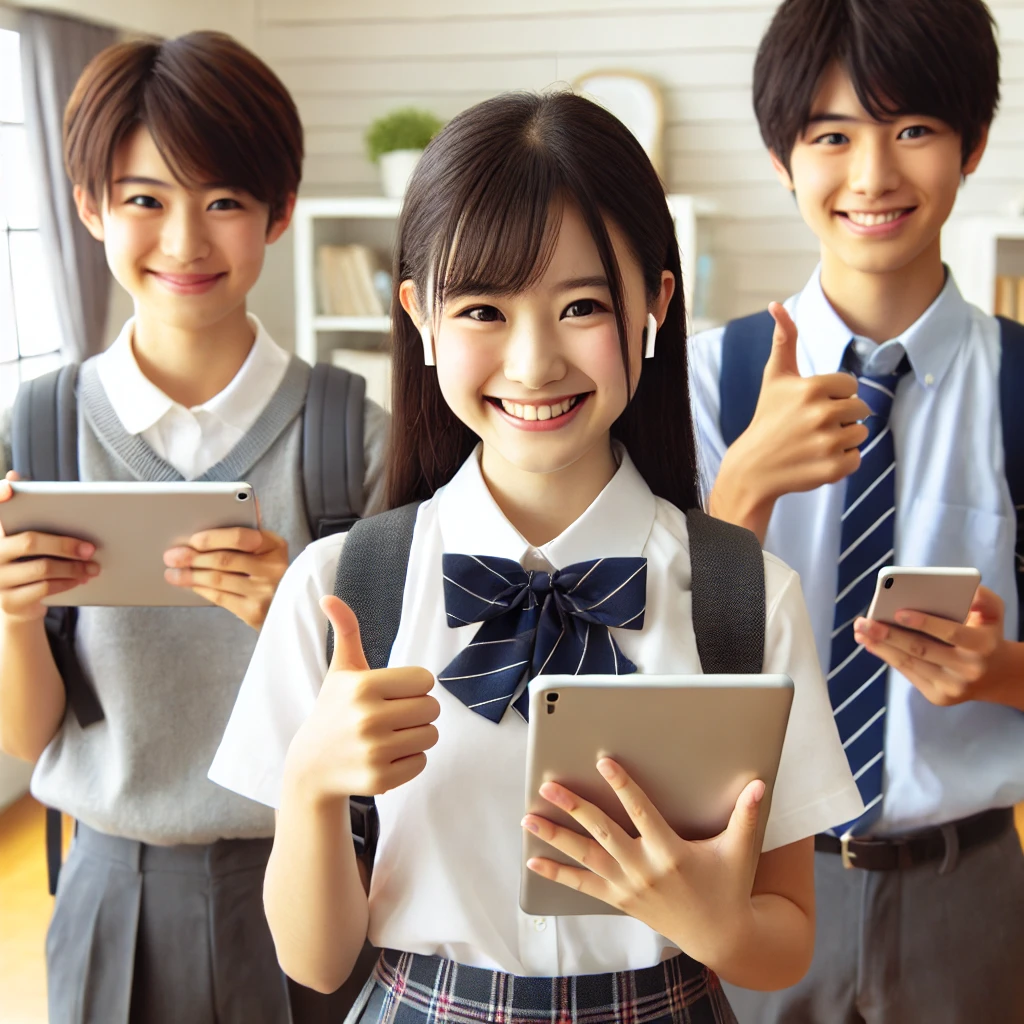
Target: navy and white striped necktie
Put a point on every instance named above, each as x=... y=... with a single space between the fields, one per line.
x=536 y=622
x=857 y=679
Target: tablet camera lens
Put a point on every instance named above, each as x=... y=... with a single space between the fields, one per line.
x=888 y=583
x=551 y=698
x=242 y=495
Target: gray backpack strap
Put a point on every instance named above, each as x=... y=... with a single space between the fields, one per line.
x=371 y=581
x=727 y=583
x=45 y=426
x=45 y=447
x=333 y=463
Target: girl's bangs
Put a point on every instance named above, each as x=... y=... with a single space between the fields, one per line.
x=500 y=236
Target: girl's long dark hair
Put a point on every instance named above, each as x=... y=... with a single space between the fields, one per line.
x=477 y=217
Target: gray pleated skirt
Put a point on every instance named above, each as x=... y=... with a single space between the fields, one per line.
x=167 y=935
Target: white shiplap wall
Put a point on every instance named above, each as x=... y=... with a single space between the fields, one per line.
x=348 y=62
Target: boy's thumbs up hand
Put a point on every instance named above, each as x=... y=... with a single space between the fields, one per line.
x=805 y=432
x=370 y=729
x=782 y=360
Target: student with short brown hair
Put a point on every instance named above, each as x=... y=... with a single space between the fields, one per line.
x=185 y=156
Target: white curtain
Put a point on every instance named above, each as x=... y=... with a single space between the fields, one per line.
x=54 y=51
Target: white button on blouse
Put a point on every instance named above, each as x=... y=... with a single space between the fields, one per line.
x=446 y=878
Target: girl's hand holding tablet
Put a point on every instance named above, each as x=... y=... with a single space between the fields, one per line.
x=683 y=890
x=37 y=565
x=369 y=730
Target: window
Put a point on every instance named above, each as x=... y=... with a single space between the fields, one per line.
x=29 y=330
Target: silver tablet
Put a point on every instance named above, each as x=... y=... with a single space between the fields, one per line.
x=132 y=525
x=691 y=743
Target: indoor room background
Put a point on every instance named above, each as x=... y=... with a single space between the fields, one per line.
x=348 y=63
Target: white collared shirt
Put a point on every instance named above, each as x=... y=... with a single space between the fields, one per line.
x=446 y=877
x=953 y=507
x=191 y=440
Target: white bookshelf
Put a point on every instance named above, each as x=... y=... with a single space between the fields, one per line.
x=976 y=249
x=360 y=343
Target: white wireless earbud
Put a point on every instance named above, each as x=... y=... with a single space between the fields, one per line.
x=428 y=344
x=426 y=328
x=650 y=333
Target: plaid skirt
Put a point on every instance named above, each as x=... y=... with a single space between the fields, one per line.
x=407 y=988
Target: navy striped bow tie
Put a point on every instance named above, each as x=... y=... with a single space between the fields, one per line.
x=536 y=622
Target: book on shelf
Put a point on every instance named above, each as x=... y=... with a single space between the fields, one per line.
x=347 y=281
x=1009 y=297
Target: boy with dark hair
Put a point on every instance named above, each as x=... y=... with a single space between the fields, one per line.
x=185 y=156
x=874 y=436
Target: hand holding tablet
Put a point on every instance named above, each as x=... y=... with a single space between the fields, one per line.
x=627 y=776
x=236 y=568
x=37 y=566
x=681 y=889
x=207 y=533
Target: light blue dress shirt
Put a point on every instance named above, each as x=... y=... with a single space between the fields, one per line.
x=953 y=507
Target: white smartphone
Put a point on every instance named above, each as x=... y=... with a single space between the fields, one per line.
x=943 y=591
x=690 y=742
x=132 y=525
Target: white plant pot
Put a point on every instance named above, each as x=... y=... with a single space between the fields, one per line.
x=396 y=169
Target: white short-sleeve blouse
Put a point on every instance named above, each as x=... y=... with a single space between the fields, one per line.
x=446 y=875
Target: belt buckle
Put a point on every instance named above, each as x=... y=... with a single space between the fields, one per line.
x=846 y=854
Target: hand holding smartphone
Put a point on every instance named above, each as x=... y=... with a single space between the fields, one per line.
x=944 y=591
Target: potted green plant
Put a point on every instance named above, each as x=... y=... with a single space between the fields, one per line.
x=395 y=142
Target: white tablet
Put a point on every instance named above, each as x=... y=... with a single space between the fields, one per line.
x=691 y=743
x=132 y=525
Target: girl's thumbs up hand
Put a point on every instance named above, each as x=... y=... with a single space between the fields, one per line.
x=370 y=729
x=348 y=648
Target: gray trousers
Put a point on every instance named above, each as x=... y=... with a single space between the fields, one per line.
x=911 y=946
x=169 y=935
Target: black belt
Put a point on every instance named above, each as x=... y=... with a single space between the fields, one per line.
x=944 y=842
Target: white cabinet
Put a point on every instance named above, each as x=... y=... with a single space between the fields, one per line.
x=361 y=343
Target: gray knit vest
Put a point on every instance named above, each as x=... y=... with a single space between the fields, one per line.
x=167 y=678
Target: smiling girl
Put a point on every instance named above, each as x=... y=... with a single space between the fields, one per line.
x=535 y=245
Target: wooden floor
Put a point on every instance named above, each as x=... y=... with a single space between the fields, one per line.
x=24 y=911
x=25 y=907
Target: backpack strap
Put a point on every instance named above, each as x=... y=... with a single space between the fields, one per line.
x=746 y=346
x=371 y=580
x=1011 y=373
x=333 y=463
x=45 y=447
x=45 y=426
x=728 y=595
